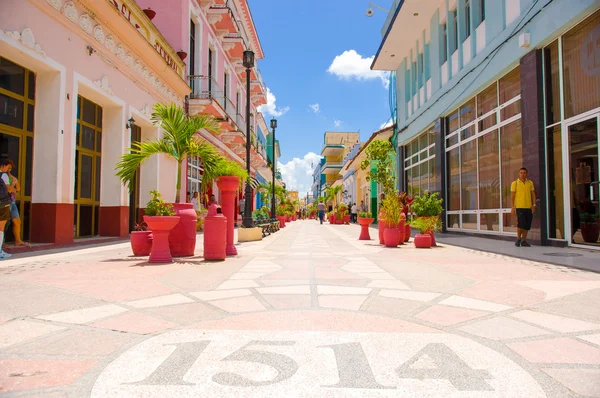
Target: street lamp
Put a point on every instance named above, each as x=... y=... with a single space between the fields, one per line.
x=248 y=63
x=273 y=161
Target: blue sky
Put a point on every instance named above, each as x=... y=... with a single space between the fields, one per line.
x=316 y=67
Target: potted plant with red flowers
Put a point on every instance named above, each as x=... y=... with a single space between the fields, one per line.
x=428 y=205
x=141 y=240
x=161 y=219
x=364 y=219
x=426 y=226
x=341 y=213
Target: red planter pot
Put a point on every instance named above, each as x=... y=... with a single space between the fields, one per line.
x=281 y=220
x=228 y=186
x=182 y=238
x=331 y=219
x=161 y=226
x=422 y=241
x=406 y=233
x=215 y=235
x=381 y=224
x=391 y=236
x=347 y=219
x=141 y=243
x=364 y=228
x=590 y=233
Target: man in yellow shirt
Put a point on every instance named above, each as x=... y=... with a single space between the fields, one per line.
x=523 y=205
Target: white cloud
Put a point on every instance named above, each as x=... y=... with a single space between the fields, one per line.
x=386 y=124
x=351 y=65
x=337 y=123
x=316 y=108
x=297 y=173
x=271 y=107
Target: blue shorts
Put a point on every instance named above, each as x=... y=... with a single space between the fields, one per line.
x=14 y=211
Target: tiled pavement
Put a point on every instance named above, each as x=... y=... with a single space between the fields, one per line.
x=309 y=311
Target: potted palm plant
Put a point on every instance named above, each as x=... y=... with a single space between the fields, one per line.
x=426 y=226
x=428 y=205
x=364 y=219
x=179 y=141
x=393 y=211
x=161 y=219
x=341 y=213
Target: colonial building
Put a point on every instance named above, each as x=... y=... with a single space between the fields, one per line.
x=485 y=87
x=78 y=80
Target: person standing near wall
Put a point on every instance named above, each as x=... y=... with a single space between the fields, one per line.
x=523 y=205
x=13 y=186
x=5 y=202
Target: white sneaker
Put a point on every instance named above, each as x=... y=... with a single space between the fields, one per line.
x=4 y=255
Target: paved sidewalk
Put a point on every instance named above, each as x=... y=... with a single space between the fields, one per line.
x=309 y=311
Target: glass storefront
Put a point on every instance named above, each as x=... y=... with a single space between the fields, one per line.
x=483 y=157
x=88 y=152
x=17 y=110
x=419 y=164
x=194 y=175
x=572 y=106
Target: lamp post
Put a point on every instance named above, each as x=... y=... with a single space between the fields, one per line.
x=248 y=63
x=273 y=161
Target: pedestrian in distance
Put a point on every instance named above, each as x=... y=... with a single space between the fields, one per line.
x=353 y=213
x=321 y=207
x=523 y=205
x=5 y=202
x=362 y=206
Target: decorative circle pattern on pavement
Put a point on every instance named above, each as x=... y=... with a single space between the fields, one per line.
x=306 y=364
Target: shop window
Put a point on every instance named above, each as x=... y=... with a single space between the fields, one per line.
x=453 y=122
x=511 y=149
x=489 y=171
x=487 y=101
x=509 y=87
x=12 y=77
x=581 y=63
x=468 y=175
x=453 y=179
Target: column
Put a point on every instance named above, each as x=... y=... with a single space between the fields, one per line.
x=439 y=130
x=114 y=207
x=532 y=130
x=51 y=209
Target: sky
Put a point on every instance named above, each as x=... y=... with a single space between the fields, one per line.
x=316 y=68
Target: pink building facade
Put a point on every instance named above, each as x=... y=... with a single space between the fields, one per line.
x=211 y=36
x=78 y=80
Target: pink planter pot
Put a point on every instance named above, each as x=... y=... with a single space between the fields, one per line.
x=422 y=241
x=228 y=187
x=161 y=226
x=141 y=243
x=281 y=220
x=182 y=238
x=364 y=228
x=347 y=219
x=391 y=236
x=381 y=225
x=406 y=233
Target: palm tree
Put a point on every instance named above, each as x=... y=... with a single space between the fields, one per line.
x=331 y=194
x=179 y=141
x=266 y=190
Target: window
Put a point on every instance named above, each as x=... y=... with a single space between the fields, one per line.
x=421 y=68
x=210 y=70
x=444 y=43
x=194 y=171
x=455 y=33
x=192 y=58
x=467 y=18
x=481 y=11
x=225 y=89
x=419 y=164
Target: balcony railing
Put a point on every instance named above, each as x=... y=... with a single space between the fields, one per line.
x=206 y=87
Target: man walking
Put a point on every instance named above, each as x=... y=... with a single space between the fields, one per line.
x=362 y=206
x=321 y=207
x=5 y=202
x=353 y=213
x=523 y=205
